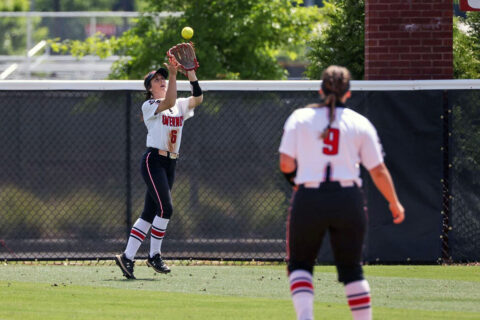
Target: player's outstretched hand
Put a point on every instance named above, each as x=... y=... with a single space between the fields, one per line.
x=172 y=68
x=398 y=212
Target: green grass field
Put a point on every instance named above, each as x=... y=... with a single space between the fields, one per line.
x=229 y=292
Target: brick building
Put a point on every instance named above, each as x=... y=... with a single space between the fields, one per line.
x=408 y=39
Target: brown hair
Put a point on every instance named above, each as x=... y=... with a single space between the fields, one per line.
x=146 y=82
x=335 y=83
x=148 y=95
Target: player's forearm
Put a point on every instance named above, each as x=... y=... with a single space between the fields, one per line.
x=288 y=167
x=197 y=94
x=384 y=183
x=170 y=95
x=191 y=75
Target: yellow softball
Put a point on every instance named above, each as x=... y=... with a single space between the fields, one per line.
x=187 y=33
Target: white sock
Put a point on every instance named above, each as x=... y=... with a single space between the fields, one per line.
x=358 y=296
x=137 y=235
x=159 y=226
x=301 y=288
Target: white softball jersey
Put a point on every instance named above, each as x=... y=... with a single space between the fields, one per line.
x=165 y=128
x=352 y=140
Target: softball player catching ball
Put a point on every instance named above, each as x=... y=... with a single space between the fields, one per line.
x=164 y=116
x=320 y=152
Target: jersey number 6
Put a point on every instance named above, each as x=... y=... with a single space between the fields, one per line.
x=173 y=136
x=331 y=142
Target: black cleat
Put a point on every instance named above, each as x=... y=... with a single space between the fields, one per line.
x=126 y=265
x=157 y=264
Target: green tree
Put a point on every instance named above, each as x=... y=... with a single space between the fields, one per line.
x=341 y=41
x=234 y=39
x=466 y=47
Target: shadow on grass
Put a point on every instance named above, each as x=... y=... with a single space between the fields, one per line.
x=130 y=280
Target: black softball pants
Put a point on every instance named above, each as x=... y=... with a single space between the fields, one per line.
x=341 y=212
x=159 y=174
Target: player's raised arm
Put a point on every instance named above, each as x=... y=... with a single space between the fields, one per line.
x=197 y=95
x=183 y=55
x=171 y=94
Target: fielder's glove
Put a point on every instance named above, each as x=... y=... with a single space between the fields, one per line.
x=183 y=54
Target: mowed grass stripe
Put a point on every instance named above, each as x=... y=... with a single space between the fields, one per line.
x=23 y=300
x=453 y=272
x=396 y=289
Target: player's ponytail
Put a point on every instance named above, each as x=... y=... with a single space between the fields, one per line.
x=331 y=102
x=335 y=83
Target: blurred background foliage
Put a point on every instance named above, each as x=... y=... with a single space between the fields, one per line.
x=466 y=46
x=341 y=40
x=13 y=33
x=234 y=39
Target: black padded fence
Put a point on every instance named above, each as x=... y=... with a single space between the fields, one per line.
x=70 y=183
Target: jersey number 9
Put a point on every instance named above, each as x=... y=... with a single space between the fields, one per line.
x=331 y=142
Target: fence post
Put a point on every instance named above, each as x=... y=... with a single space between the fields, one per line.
x=447 y=167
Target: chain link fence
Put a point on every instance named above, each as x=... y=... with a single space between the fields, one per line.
x=464 y=224
x=70 y=183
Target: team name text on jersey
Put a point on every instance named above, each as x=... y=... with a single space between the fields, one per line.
x=172 y=121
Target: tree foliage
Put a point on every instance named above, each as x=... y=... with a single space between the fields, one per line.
x=234 y=39
x=466 y=47
x=341 y=40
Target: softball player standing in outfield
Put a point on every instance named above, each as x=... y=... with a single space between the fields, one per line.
x=320 y=152
x=164 y=116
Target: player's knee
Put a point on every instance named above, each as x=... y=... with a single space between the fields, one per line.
x=148 y=216
x=167 y=211
x=350 y=273
x=296 y=265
